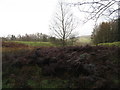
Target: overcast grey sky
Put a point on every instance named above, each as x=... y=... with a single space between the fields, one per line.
x=31 y=16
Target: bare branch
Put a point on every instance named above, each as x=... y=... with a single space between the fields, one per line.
x=97 y=9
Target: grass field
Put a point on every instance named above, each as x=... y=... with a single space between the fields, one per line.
x=110 y=44
x=83 y=40
x=31 y=43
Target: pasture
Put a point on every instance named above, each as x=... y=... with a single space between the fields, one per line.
x=85 y=39
x=31 y=43
x=110 y=44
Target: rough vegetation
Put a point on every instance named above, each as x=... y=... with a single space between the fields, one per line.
x=62 y=67
x=13 y=45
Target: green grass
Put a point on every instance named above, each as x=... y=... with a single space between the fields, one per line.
x=110 y=44
x=31 y=43
x=83 y=40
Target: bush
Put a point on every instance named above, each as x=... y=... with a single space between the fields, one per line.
x=80 y=67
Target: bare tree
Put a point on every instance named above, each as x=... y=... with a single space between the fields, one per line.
x=63 y=23
x=99 y=8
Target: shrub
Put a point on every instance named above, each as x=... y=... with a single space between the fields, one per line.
x=83 y=66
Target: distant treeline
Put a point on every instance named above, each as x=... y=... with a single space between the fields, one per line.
x=106 y=32
x=37 y=37
x=29 y=37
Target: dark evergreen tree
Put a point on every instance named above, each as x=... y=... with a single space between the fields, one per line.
x=106 y=32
